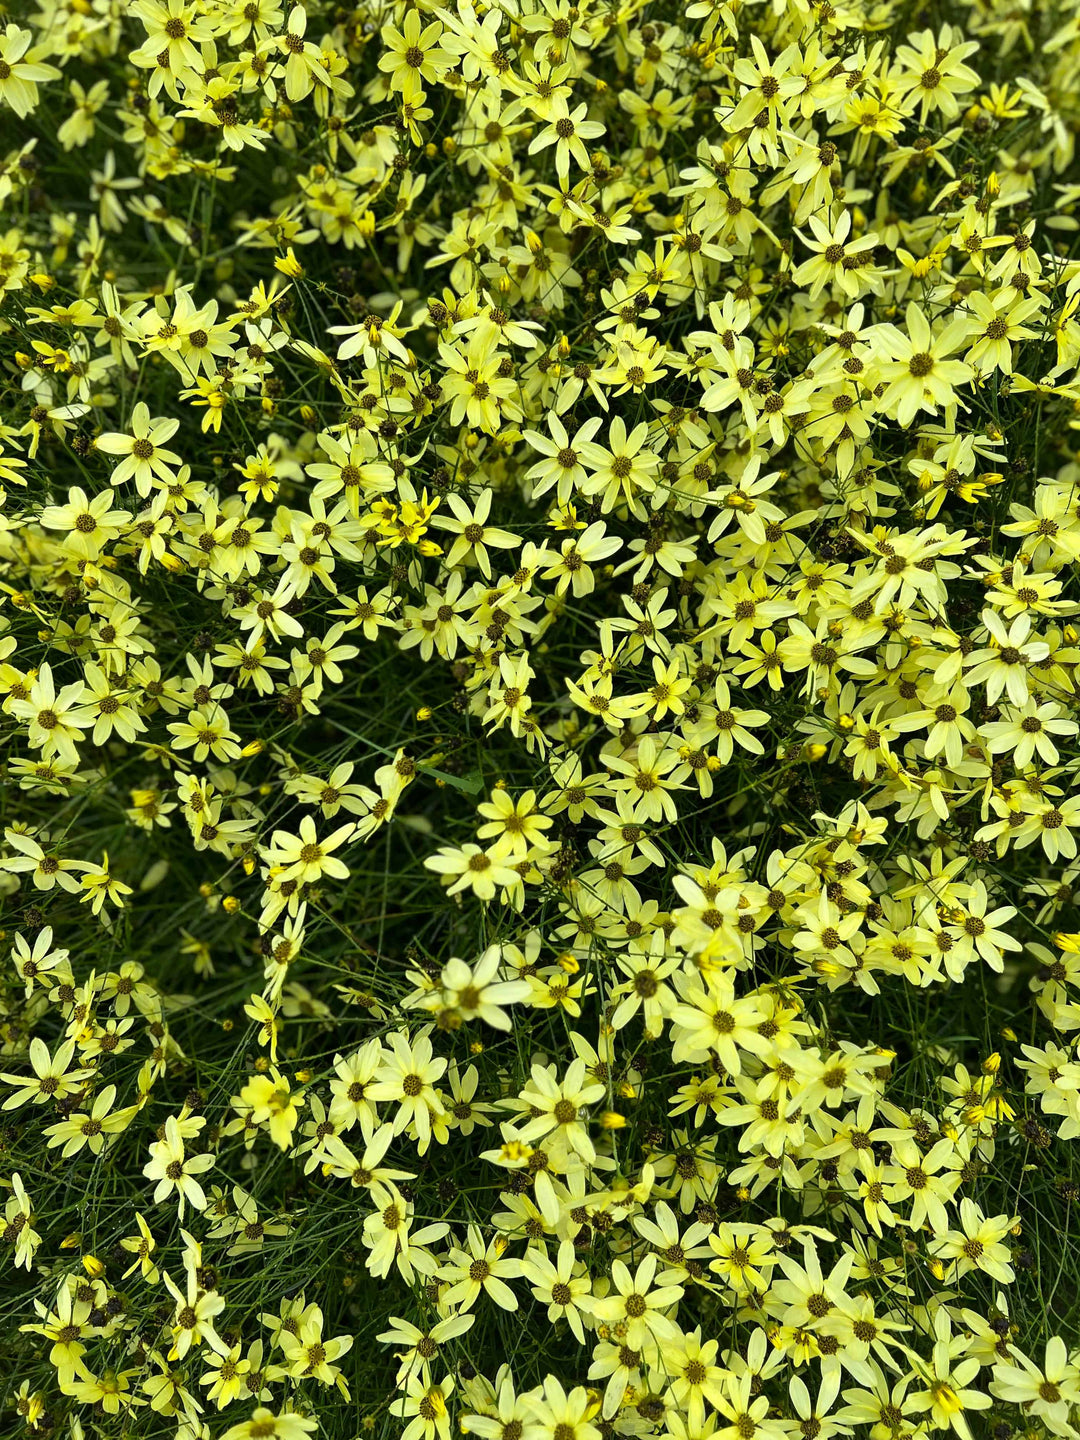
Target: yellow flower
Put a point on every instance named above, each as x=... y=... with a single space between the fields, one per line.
x=274 y=1103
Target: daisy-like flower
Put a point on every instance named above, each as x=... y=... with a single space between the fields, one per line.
x=567 y=130
x=352 y=469
x=91 y=1128
x=175 y=1170
x=837 y=258
x=573 y=569
x=1052 y=823
x=948 y=1391
x=55 y=720
x=476 y=992
x=562 y=468
x=263 y=1424
x=303 y=61
x=515 y=826
x=621 y=471
x=916 y=367
x=64 y=1324
x=21 y=70
x=932 y=73
x=207 y=731
x=89 y=523
x=560 y=1284
x=695 y=1377
x=174 y=29
x=310 y=1353
x=393 y=1243
x=226 y=1376
x=828 y=940
x=423 y=1405
x=559 y=1108
x=472 y=534
x=413 y=57
x=929 y=1181
x=53 y=1077
x=19 y=1224
x=1029 y=730
x=196 y=1311
x=271 y=1099
x=479 y=390
x=367 y=613
x=1002 y=665
x=142 y=1246
x=978 y=1244
x=647 y=777
x=422 y=1346
x=636 y=1304
x=996 y=323
x=34 y=962
x=376 y=338
x=564 y=1415
x=470 y=868
x=352 y=1102
x=1047 y=1392
x=645 y=988
x=146 y=459
x=406 y=1078
x=977 y=929
x=305 y=857
x=711 y=1019
x=481 y=1268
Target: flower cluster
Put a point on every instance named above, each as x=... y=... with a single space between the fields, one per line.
x=539 y=697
